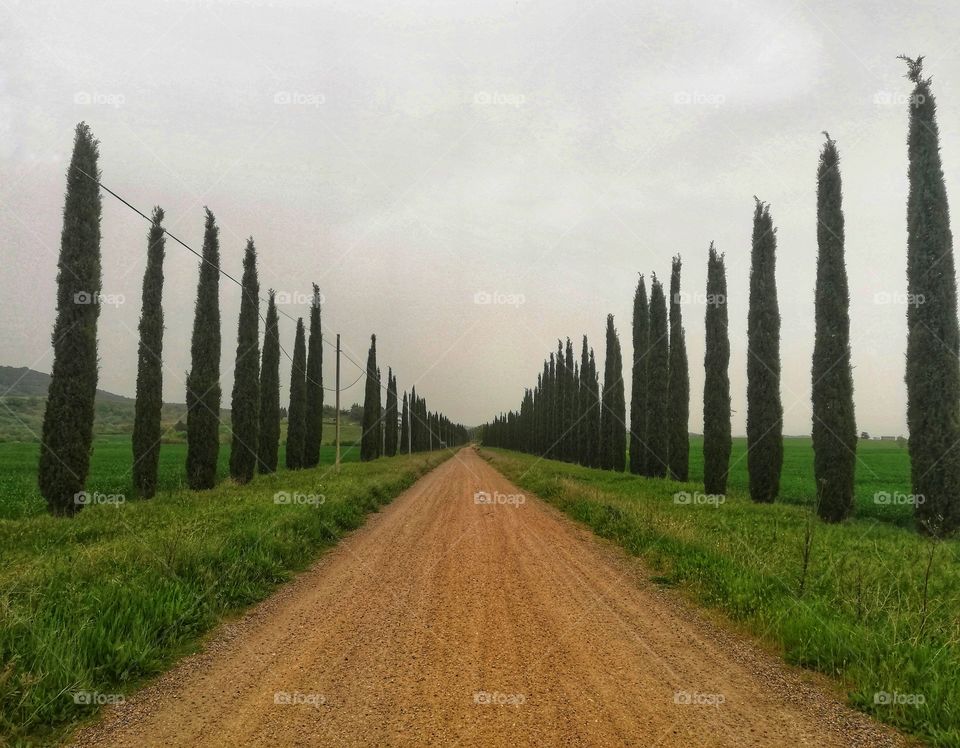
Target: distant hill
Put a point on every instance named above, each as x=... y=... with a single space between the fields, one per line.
x=23 y=400
x=24 y=382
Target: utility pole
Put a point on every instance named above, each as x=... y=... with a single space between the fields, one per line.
x=337 y=438
x=410 y=426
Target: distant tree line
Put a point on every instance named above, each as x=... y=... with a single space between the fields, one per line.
x=389 y=430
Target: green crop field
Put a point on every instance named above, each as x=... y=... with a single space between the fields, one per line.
x=102 y=601
x=862 y=609
x=882 y=477
x=111 y=463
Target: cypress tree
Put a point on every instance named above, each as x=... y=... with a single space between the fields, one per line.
x=380 y=418
x=583 y=430
x=613 y=431
x=657 y=372
x=371 y=407
x=717 y=441
x=678 y=386
x=405 y=427
x=933 y=375
x=245 y=403
x=638 y=394
x=313 y=419
x=834 y=424
x=544 y=418
x=390 y=417
x=594 y=424
x=297 y=412
x=68 y=419
x=552 y=424
x=764 y=409
x=561 y=396
x=203 y=382
x=268 y=437
x=146 y=420
x=414 y=421
x=569 y=399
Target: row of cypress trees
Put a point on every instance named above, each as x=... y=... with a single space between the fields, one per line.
x=255 y=401
x=388 y=431
x=567 y=416
x=564 y=415
x=660 y=398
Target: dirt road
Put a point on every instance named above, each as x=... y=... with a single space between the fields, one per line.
x=444 y=621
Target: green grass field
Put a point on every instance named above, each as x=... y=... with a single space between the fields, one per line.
x=863 y=612
x=882 y=467
x=102 y=601
x=111 y=464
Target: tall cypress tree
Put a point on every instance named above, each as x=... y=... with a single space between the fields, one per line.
x=203 y=382
x=68 y=419
x=414 y=420
x=613 y=416
x=146 y=420
x=561 y=396
x=933 y=375
x=390 y=415
x=297 y=412
x=569 y=399
x=268 y=437
x=638 y=393
x=552 y=408
x=594 y=425
x=544 y=428
x=717 y=441
x=245 y=402
x=369 y=441
x=834 y=424
x=583 y=428
x=405 y=427
x=313 y=419
x=381 y=419
x=678 y=386
x=764 y=408
x=655 y=464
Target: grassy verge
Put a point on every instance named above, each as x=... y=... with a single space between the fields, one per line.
x=862 y=607
x=95 y=604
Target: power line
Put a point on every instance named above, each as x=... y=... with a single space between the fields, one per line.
x=219 y=269
x=224 y=273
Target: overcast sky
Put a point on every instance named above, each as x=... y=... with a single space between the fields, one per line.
x=408 y=156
